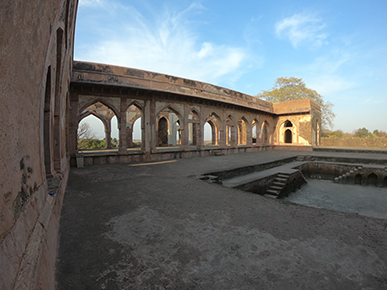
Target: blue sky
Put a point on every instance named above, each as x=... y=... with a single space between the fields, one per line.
x=338 y=48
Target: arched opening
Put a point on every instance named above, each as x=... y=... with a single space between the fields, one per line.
x=137 y=133
x=288 y=136
x=211 y=130
x=242 y=132
x=133 y=113
x=255 y=132
x=88 y=138
x=47 y=123
x=385 y=182
x=163 y=132
x=115 y=132
x=107 y=134
x=193 y=128
x=170 y=135
x=372 y=179
x=358 y=179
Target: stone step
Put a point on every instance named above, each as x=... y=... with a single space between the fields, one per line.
x=280 y=179
x=283 y=175
x=273 y=187
x=272 y=192
x=278 y=183
x=270 y=195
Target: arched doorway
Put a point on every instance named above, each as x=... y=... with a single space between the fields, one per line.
x=358 y=179
x=133 y=133
x=169 y=127
x=242 y=132
x=163 y=132
x=288 y=136
x=96 y=113
x=211 y=130
x=372 y=179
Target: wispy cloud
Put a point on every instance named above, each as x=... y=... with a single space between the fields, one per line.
x=166 y=43
x=302 y=29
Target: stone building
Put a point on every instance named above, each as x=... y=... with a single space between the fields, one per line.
x=44 y=99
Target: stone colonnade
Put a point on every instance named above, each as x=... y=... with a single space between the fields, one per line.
x=184 y=119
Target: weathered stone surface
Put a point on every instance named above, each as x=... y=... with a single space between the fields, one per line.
x=380 y=143
x=186 y=233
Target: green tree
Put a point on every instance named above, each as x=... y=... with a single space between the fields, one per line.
x=332 y=134
x=362 y=133
x=290 y=89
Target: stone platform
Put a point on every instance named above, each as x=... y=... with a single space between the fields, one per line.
x=157 y=226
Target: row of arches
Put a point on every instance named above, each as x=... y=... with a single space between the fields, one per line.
x=174 y=128
x=371 y=179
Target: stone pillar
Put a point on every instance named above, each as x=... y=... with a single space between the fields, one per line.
x=184 y=137
x=233 y=136
x=184 y=132
x=223 y=134
x=108 y=134
x=249 y=135
x=122 y=127
x=149 y=133
x=129 y=136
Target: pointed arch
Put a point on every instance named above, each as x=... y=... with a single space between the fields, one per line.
x=372 y=179
x=288 y=136
x=87 y=114
x=133 y=113
x=174 y=121
x=358 y=179
x=162 y=131
x=242 y=131
x=136 y=104
x=287 y=132
x=214 y=121
x=171 y=108
x=103 y=102
x=105 y=113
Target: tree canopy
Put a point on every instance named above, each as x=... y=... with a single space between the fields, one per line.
x=290 y=89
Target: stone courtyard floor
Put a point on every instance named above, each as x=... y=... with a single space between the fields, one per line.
x=157 y=226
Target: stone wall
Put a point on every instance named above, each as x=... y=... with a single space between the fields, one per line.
x=36 y=52
x=355 y=142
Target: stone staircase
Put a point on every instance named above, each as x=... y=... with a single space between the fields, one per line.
x=277 y=186
x=351 y=173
